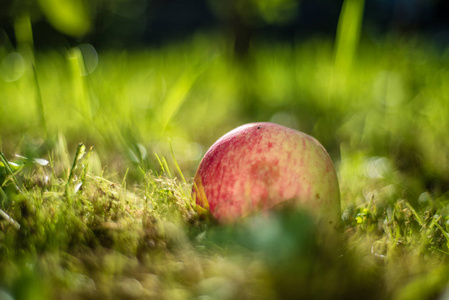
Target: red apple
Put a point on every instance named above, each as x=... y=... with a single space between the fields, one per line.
x=258 y=166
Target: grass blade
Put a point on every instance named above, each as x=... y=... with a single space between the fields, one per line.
x=417 y=217
x=11 y=172
x=176 y=163
x=177 y=95
x=9 y=219
x=86 y=164
x=80 y=150
x=348 y=33
x=160 y=163
x=167 y=169
x=446 y=235
x=3 y=194
x=39 y=103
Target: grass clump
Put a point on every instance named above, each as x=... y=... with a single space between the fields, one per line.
x=96 y=231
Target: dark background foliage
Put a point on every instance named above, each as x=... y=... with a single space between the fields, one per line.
x=131 y=23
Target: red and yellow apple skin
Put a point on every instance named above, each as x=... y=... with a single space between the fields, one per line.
x=259 y=166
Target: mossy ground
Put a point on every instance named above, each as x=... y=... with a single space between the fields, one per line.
x=98 y=238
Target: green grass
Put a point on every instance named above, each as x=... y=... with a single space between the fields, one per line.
x=116 y=221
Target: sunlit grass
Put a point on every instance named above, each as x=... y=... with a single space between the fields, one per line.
x=117 y=222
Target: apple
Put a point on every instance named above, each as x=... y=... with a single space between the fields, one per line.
x=260 y=166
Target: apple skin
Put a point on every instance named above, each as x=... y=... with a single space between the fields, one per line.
x=260 y=166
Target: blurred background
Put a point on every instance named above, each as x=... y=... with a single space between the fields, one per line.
x=150 y=23
x=368 y=79
x=151 y=82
